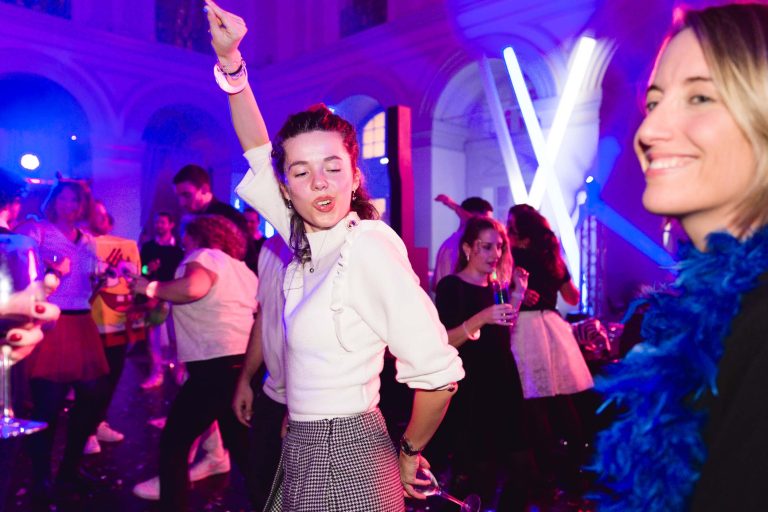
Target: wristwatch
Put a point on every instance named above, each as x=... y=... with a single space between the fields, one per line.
x=405 y=447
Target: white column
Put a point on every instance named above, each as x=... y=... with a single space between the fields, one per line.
x=117 y=181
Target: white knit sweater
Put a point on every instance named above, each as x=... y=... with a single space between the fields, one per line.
x=362 y=297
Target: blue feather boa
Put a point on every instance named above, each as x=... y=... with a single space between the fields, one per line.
x=650 y=458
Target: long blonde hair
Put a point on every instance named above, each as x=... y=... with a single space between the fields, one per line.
x=734 y=39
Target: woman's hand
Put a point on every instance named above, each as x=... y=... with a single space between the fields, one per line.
x=27 y=303
x=227 y=30
x=498 y=314
x=409 y=466
x=530 y=298
x=520 y=279
x=242 y=403
x=139 y=285
x=519 y=293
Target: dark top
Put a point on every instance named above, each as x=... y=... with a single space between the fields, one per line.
x=216 y=207
x=5 y=231
x=540 y=279
x=484 y=419
x=169 y=255
x=736 y=468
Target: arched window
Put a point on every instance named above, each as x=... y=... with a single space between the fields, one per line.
x=374 y=137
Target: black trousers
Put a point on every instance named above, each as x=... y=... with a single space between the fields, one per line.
x=116 y=360
x=49 y=397
x=266 y=445
x=204 y=398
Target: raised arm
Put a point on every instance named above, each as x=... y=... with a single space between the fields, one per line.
x=227 y=30
x=259 y=187
x=463 y=214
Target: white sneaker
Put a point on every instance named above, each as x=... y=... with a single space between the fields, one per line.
x=107 y=434
x=92 y=446
x=209 y=467
x=148 y=489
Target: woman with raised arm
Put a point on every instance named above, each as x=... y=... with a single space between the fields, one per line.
x=350 y=293
x=692 y=430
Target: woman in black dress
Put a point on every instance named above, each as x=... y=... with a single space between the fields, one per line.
x=483 y=425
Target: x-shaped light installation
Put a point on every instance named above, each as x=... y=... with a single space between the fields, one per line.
x=545 y=149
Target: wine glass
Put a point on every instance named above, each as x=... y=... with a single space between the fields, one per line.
x=470 y=504
x=19 y=268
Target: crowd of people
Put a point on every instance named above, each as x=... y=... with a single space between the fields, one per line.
x=281 y=341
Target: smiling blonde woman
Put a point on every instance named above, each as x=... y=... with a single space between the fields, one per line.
x=692 y=432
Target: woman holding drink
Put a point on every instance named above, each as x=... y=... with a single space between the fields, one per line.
x=482 y=428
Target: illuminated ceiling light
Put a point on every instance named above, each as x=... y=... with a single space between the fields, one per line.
x=73 y=137
x=29 y=161
x=546 y=150
x=508 y=156
x=576 y=75
x=384 y=160
x=589 y=179
x=332 y=109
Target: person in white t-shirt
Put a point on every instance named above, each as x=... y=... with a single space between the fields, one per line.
x=214 y=297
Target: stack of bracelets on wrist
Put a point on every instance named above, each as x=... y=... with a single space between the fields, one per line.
x=221 y=73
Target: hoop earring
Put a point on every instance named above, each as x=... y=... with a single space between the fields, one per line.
x=354 y=195
x=289 y=205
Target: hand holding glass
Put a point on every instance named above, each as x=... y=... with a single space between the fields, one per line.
x=21 y=311
x=470 y=504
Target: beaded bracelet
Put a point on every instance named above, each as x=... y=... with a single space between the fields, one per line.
x=221 y=78
x=237 y=73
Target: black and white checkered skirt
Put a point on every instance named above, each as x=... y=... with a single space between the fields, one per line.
x=338 y=465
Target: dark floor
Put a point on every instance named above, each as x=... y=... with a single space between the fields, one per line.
x=121 y=465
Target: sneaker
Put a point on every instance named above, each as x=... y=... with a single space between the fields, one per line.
x=92 y=446
x=107 y=434
x=153 y=381
x=148 y=489
x=209 y=467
